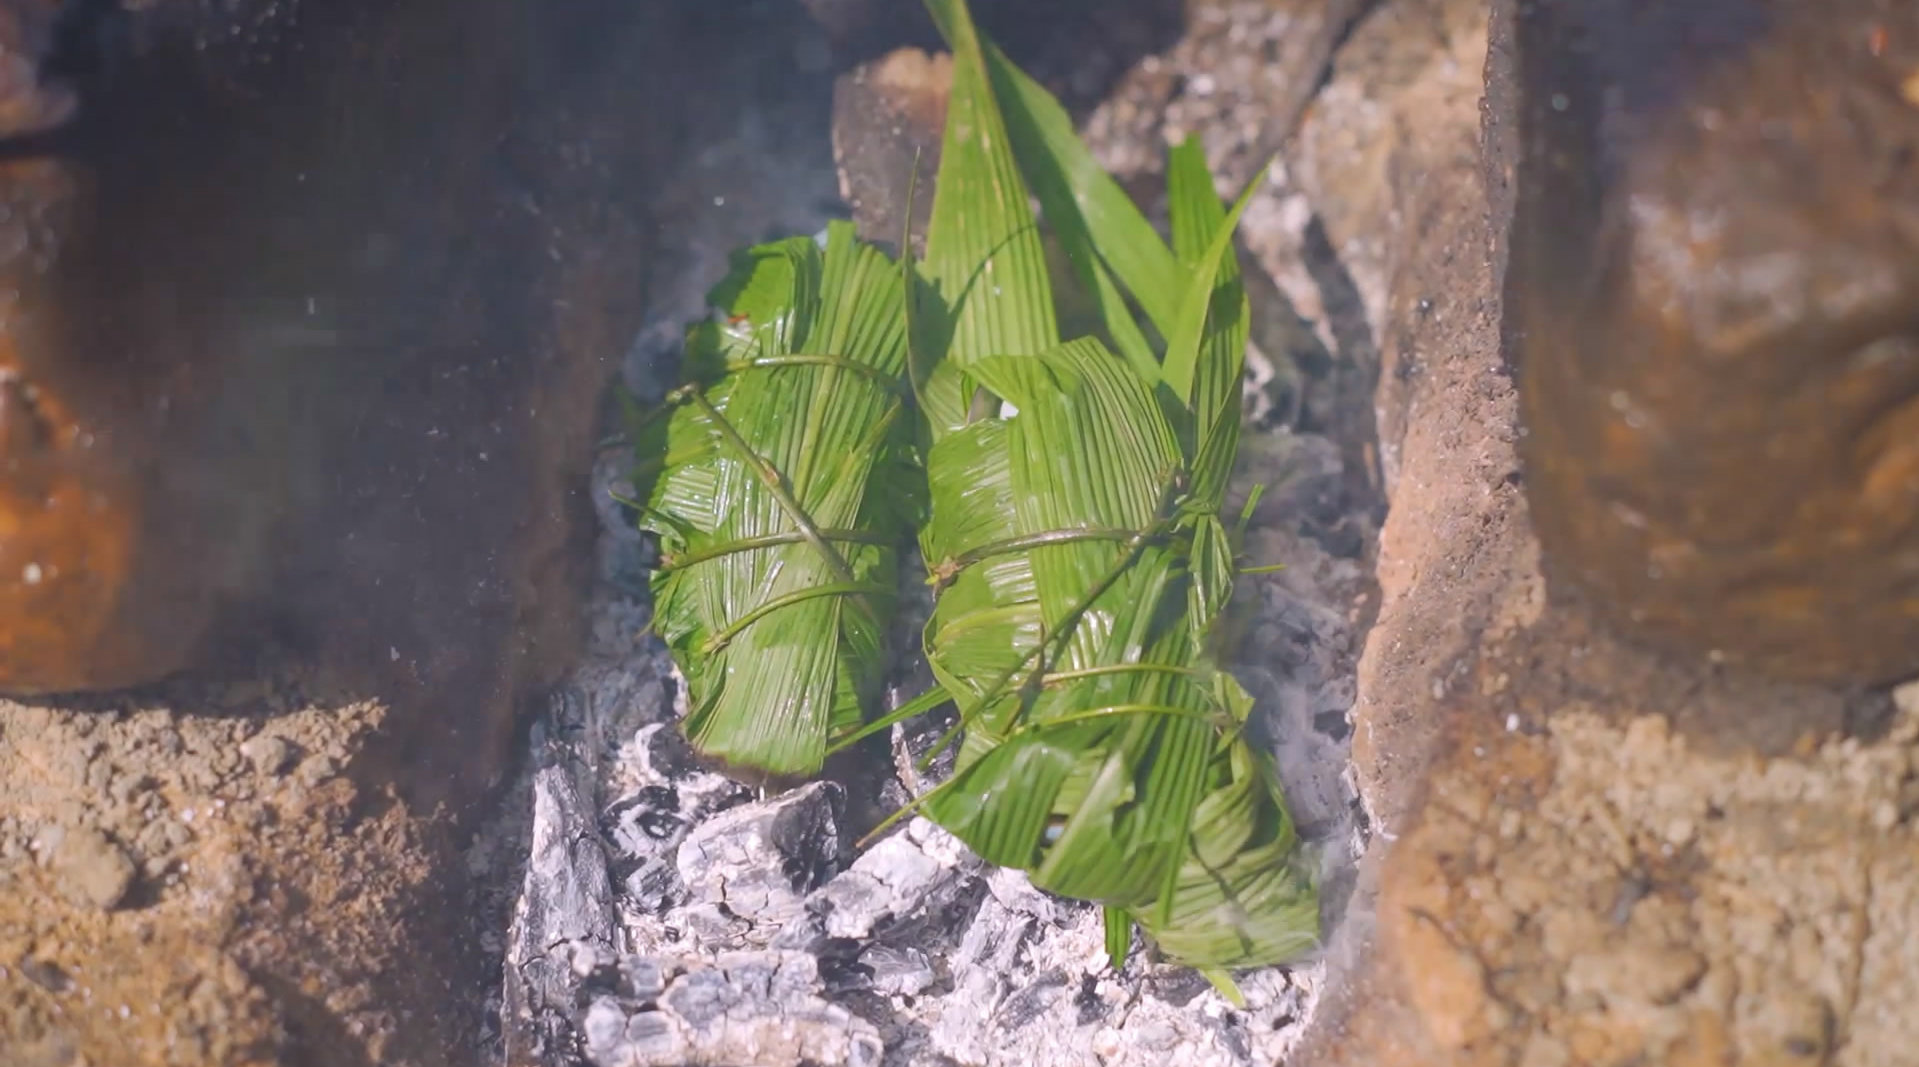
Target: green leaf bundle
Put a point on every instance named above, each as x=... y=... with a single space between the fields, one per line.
x=1075 y=534
x=779 y=482
x=1072 y=494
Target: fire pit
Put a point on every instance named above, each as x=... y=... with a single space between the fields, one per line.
x=310 y=320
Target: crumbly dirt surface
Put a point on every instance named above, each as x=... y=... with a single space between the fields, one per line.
x=193 y=888
x=1614 y=896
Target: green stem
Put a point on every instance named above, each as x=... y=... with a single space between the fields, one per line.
x=812 y=592
x=815 y=359
x=771 y=478
x=948 y=569
x=1120 y=668
x=747 y=544
x=919 y=705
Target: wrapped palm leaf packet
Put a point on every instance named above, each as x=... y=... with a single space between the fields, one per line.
x=1075 y=536
x=779 y=483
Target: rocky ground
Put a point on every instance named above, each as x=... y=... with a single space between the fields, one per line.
x=1592 y=854
x=1569 y=850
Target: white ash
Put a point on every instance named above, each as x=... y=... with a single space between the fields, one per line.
x=747 y=871
x=913 y=943
x=563 y=922
x=760 y=1008
x=1032 y=986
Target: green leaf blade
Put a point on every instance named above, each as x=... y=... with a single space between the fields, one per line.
x=1076 y=542
x=1184 y=344
x=1104 y=232
x=988 y=293
x=778 y=628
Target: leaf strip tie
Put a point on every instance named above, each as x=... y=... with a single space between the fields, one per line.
x=1112 y=711
x=948 y=569
x=775 y=483
x=845 y=585
x=748 y=544
x=719 y=640
x=817 y=359
x=1120 y=668
x=1048 y=649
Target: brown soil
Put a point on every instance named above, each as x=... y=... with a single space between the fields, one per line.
x=237 y=896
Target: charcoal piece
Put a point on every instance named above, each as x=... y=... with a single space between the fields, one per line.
x=898 y=971
x=1032 y=1001
x=901 y=882
x=763 y=1008
x=653 y=887
x=646 y=826
x=563 y=924
x=760 y=860
x=1712 y=305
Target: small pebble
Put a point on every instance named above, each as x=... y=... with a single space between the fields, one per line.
x=319 y=769
x=268 y=753
x=1885 y=816
x=91 y=871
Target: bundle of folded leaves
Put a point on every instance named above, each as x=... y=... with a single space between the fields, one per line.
x=1069 y=508
x=779 y=484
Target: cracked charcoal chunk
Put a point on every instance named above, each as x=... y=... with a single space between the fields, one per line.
x=762 y=1008
x=700 y=998
x=652 y=1036
x=760 y=860
x=562 y=927
x=901 y=877
x=646 y=827
x=1031 y=1002
x=898 y=971
x=1713 y=306
x=653 y=887
x=604 y=1030
x=644 y=978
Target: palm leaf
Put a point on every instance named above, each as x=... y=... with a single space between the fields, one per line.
x=778 y=484
x=1243 y=896
x=1105 y=233
x=1203 y=362
x=1076 y=542
x=986 y=289
x=1064 y=511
